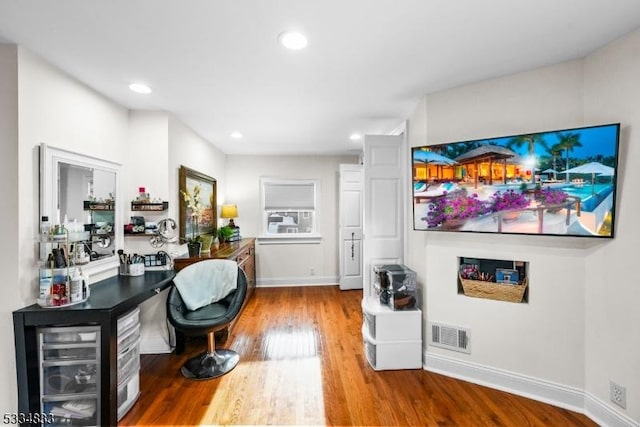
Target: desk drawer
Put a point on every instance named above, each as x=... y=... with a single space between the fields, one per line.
x=244 y=256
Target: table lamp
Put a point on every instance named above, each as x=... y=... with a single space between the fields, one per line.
x=229 y=211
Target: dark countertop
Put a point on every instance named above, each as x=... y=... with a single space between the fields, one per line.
x=116 y=294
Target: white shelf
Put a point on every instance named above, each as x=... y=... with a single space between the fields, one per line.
x=383 y=323
x=392 y=339
x=390 y=355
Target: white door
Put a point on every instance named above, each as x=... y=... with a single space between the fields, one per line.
x=351 y=227
x=384 y=190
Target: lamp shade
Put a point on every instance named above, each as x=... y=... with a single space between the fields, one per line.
x=229 y=211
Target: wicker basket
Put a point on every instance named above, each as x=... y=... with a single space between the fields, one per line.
x=492 y=290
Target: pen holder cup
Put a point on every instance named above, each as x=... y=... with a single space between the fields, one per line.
x=136 y=269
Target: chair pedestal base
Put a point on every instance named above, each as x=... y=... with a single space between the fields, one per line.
x=210 y=364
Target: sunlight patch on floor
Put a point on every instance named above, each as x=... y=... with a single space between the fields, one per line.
x=290 y=344
x=287 y=391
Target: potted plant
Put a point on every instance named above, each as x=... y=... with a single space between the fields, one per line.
x=510 y=201
x=224 y=233
x=192 y=200
x=453 y=209
x=553 y=198
x=550 y=196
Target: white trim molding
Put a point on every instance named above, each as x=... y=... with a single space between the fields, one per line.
x=297 y=281
x=604 y=415
x=306 y=239
x=545 y=391
x=572 y=398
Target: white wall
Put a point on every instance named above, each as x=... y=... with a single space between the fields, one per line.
x=57 y=110
x=148 y=144
x=160 y=143
x=513 y=337
x=414 y=251
x=612 y=91
x=40 y=103
x=9 y=215
x=290 y=263
x=188 y=149
x=564 y=341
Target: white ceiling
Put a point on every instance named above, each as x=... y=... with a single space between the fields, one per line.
x=218 y=67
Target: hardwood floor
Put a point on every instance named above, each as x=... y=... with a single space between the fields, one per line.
x=302 y=363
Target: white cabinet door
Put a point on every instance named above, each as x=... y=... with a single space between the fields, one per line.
x=351 y=227
x=384 y=190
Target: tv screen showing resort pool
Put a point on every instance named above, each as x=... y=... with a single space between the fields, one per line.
x=560 y=182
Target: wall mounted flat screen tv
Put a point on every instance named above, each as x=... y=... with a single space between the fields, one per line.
x=560 y=183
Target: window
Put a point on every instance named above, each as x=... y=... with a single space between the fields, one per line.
x=289 y=208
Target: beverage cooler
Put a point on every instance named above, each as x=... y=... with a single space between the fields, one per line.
x=69 y=363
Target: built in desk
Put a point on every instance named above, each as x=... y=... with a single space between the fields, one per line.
x=109 y=299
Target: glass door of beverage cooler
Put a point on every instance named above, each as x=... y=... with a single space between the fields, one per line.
x=70 y=374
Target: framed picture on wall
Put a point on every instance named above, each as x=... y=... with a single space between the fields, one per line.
x=198 y=210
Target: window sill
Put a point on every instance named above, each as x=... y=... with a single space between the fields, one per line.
x=307 y=239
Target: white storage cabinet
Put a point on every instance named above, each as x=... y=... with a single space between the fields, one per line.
x=392 y=339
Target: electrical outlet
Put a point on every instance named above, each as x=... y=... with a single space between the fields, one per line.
x=312 y=271
x=618 y=394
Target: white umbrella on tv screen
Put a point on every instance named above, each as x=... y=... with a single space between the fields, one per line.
x=593 y=168
x=550 y=171
x=432 y=158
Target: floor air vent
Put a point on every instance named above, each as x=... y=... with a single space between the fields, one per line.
x=450 y=337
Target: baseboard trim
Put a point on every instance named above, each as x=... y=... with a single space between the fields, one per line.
x=298 y=281
x=571 y=398
x=154 y=345
x=545 y=391
x=604 y=415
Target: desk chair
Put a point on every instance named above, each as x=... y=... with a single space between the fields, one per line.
x=207 y=320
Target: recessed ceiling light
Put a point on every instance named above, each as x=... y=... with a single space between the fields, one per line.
x=355 y=137
x=140 y=88
x=292 y=40
x=236 y=135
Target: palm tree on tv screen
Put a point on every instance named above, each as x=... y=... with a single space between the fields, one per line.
x=568 y=141
x=529 y=141
x=555 y=151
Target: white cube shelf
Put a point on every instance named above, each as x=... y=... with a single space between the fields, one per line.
x=391 y=339
x=384 y=324
x=388 y=355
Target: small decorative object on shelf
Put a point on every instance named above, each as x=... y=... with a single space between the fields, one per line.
x=100 y=204
x=230 y=212
x=194 y=248
x=131 y=265
x=62 y=287
x=396 y=286
x=235 y=235
x=62 y=283
x=194 y=205
x=143 y=196
x=224 y=233
x=149 y=206
x=159 y=259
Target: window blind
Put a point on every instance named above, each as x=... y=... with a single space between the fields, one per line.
x=289 y=196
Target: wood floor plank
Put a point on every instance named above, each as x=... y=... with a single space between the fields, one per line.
x=302 y=363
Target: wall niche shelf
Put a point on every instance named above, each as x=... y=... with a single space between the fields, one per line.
x=149 y=206
x=500 y=280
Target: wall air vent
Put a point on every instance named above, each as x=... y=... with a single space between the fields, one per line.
x=450 y=337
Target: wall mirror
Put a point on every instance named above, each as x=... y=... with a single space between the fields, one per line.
x=82 y=192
